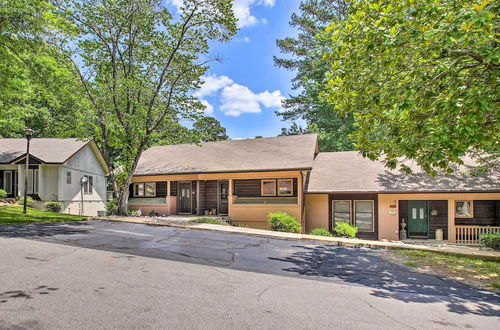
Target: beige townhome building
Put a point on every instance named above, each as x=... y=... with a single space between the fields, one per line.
x=246 y=179
x=70 y=171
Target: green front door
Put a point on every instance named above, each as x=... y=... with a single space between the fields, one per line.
x=418 y=218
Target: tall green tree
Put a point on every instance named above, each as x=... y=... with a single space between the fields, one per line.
x=421 y=78
x=305 y=57
x=36 y=89
x=210 y=129
x=138 y=64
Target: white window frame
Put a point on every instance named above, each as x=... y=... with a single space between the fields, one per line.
x=8 y=188
x=36 y=177
x=373 y=213
x=262 y=187
x=333 y=210
x=291 y=187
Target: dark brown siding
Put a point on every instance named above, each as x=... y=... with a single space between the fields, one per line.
x=485 y=213
x=173 y=188
x=161 y=189
x=439 y=221
x=251 y=188
x=364 y=235
x=208 y=195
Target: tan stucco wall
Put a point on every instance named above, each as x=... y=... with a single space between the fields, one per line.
x=389 y=223
x=316 y=211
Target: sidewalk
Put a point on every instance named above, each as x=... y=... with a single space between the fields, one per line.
x=189 y=223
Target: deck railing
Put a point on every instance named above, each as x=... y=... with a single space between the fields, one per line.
x=469 y=235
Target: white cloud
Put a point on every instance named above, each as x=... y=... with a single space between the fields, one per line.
x=271 y=100
x=242 y=10
x=212 y=84
x=236 y=99
x=209 y=109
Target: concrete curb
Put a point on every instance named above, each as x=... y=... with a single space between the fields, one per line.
x=455 y=251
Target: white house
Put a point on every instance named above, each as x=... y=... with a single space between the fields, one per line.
x=70 y=171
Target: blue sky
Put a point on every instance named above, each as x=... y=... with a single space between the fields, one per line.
x=244 y=91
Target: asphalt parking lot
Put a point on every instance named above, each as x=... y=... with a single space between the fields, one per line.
x=121 y=275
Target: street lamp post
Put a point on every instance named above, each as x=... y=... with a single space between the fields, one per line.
x=29 y=133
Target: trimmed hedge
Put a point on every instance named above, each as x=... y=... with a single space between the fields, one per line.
x=281 y=221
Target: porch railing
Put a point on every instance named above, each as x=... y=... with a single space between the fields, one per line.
x=469 y=235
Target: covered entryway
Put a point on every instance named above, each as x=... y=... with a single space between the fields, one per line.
x=418 y=219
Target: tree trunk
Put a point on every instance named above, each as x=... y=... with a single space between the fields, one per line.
x=124 y=194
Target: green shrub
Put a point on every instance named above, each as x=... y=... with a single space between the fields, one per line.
x=243 y=225
x=344 y=229
x=112 y=207
x=3 y=193
x=29 y=201
x=211 y=221
x=490 y=240
x=281 y=221
x=321 y=232
x=153 y=213
x=53 y=206
x=132 y=213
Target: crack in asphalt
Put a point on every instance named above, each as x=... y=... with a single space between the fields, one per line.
x=384 y=313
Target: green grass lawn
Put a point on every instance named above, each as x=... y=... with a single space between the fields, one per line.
x=473 y=271
x=13 y=215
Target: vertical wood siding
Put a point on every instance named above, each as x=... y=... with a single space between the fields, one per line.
x=316 y=207
x=208 y=195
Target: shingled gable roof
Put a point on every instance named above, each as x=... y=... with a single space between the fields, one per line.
x=47 y=150
x=350 y=172
x=282 y=153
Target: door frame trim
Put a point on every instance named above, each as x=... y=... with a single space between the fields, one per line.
x=427 y=215
x=218 y=197
x=179 y=198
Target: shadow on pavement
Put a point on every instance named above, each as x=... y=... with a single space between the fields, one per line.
x=389 y=280
x=311 y=260
x=43 y=229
